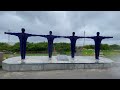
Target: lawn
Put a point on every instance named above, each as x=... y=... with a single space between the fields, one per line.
x=85 y=52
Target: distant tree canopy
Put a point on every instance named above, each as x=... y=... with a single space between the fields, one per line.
x=115 y=47
x=103 y=47
x=35 y=47
x=58 y=47
x=89 y=46
x=5 y=47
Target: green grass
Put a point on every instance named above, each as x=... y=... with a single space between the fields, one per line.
x=111 y=53
x=85 y=52
x=14 y=55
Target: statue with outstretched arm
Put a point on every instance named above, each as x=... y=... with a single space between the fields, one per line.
x=23 y=40
x=73 y=40
x=50 y=39
x=97 y=39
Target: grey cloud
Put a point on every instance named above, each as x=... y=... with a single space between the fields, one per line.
x=62 y=23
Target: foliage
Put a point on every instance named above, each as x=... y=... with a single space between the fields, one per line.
x=5 y=47
x=41 y=47
x=115 y=47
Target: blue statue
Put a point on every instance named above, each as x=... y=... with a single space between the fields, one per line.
x=97 y=39
x=50 y=39
x=73 y=40
x=23 y=39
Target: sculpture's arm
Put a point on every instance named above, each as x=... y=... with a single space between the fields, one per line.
x=32 y=35
x=106 y=37
x=58 y=36
x=79 y=37
x=65 y=36
x=89 y=37
x=43 y=36
x=11 y=33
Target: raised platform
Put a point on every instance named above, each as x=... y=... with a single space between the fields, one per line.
x=43 y=63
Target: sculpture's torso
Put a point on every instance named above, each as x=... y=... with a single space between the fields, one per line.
x=98 y=40
x=73 y=40
x=23 y=38
x=50 y=39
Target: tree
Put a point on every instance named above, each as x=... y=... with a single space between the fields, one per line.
x=5 y=47
x=115 y=47
x=105 y=47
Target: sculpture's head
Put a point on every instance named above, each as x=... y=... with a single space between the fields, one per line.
x=73 y=33
x=23 y=30
x=50 y=32
x=98 y=33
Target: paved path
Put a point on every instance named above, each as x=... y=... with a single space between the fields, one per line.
x=113 y=73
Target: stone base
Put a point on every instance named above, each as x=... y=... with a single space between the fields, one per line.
x=1 y=58
x=42 y=63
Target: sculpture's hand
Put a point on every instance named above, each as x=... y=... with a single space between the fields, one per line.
x=110 y=37
x=107 y=37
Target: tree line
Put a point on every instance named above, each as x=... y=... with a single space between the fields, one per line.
x=41 y=47
x=104 y=47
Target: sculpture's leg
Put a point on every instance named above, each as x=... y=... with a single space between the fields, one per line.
x=97 y=51
x=96 y=54
x=50 y=51
x=21 y=51
x=24 y=52
x=72 y=51
x=22 y=56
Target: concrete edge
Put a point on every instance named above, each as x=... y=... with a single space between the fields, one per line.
x=54 y=66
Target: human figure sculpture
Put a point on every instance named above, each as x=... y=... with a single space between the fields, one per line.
x=73 y=40
x=97 y=39
x=50 y=39
x=23 y=40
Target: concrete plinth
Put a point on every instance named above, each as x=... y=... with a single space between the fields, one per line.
x=1 y=58
x=42 y=63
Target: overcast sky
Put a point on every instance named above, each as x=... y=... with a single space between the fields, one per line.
x=61 y=23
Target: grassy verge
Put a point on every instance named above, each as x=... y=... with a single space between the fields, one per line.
x=86 y=52
x=106 y=53
x=112 y=54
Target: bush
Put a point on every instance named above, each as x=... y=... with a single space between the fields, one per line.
x=42 y=47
